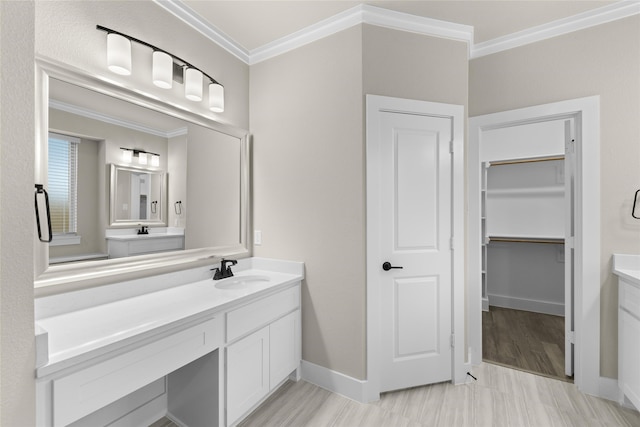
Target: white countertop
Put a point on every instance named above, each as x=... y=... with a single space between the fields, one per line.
x=627 y=267
x=127 y=237
x=80 y=335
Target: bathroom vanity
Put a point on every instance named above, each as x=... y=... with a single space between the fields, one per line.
x=627 y=268
x=201 y=352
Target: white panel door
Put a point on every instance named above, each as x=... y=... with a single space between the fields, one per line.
x=415 y=233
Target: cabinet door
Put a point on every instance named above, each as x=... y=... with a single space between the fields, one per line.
x=630 y=348
x=247 y=373
x=284 y=347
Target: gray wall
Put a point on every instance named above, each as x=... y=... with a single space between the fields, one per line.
x=307 y=117
x=605 y=61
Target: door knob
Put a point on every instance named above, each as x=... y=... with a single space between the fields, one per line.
x=386 y=266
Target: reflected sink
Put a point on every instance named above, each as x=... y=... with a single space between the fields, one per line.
x=240 y=282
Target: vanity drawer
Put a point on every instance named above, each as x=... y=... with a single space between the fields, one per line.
x=90 y=389
x=630 y=298
x=253 y=316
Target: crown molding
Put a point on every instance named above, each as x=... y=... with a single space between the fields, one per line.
x=183 y=12
x=358 y=15
x=581 y=21
x=372 y=15
x=91 y=114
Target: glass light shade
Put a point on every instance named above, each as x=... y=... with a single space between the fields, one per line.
x=142 y=158
x=193 y=84
x=127 y=155
x=162 y=70
x=118 y=54
x=155 y=160
x=216 y=97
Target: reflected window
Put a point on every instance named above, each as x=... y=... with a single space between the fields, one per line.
x=63 y=186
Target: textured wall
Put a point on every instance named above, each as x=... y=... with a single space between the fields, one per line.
x=17 y=227
x=605 y=61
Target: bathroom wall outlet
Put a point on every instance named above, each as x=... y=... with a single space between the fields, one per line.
x=257 y=237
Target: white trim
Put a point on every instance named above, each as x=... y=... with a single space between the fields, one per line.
x=609 y=389
x=317 y=31
x=333 y=381
x=373 y=15
x=91 y=114
x=183 y=12
x=537 y=306
x=586 y=112
x=362 y=14
x=65 y=239
x=581 y=21
x=375 y=105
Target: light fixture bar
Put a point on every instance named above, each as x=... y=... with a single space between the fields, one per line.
x=184 y=63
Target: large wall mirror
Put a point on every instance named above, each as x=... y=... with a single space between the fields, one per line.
x=139 y=164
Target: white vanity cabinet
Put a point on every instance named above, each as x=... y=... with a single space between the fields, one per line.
x=263 y=350
x=204 y=353
x=629 y=341
x=71 y=395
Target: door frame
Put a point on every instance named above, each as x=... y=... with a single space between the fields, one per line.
x=375 y=105
x=586 y=112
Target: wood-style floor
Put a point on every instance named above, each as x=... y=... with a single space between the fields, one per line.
x=524 y=340
x=500 y=397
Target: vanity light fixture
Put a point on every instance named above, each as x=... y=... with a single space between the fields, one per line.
x=166 y=69
x=143 y=157
x=118 y=54
x=162 y=69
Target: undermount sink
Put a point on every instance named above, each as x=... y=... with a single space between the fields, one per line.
x=240 y=282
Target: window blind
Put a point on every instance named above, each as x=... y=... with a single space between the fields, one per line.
x=63 y=183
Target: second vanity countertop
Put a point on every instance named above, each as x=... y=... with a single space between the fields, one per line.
x=627 y=267
x=81 y=335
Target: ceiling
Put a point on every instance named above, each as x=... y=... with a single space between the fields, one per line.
x=253 y=24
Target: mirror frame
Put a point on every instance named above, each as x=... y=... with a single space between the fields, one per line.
x=114 y=222
x=55 y=279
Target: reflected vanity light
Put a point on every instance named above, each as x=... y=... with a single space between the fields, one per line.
x=143 y=157
x=163 y=74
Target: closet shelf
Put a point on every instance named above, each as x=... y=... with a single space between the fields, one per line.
x=525 y=239
x=524 y=160
x=557 y=190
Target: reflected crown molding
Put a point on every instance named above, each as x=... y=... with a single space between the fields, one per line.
x=95 y=115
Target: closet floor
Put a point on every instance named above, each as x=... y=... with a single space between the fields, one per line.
x=524 y=340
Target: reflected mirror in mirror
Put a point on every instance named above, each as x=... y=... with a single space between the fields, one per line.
x=137 y=196
x=196 y=189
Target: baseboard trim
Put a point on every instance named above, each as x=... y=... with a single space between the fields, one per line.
x=334 y=381
x=537 y=306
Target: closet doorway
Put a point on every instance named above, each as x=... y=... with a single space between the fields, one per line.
x=532 y=137
x=527 y=253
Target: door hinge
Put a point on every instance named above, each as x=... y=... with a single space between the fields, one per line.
x=571 y=337
x=451 y=146
x=569 y=146
x=453 y=341
x=451 y=243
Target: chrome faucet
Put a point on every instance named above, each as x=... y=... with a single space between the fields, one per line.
x=224 y=271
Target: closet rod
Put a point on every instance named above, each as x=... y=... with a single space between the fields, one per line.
x=531 y=160
x=551 y=241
